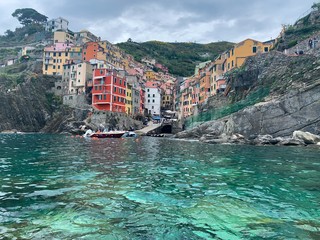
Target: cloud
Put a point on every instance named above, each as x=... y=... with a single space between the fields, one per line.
x=168 y=20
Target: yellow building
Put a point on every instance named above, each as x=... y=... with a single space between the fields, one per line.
x=129 y=99
x=150 y=75
x=249 y=47
x=63 y=37
x=54 y=57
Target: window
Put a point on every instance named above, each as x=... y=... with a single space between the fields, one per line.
x=152 y=107
x=254 y=49
x=104 y=97
x=154 y=95
x=115 y=80
x=266 y=49
x=148 y=90
x=153 y=100
x=59 y=54
x=66 y=54
x=115 y=89
x=120 y=82
x=232 y=51
x=148 y=100
x=114 y=98
x=54 y=54
x=148 y=95
x=232 y=63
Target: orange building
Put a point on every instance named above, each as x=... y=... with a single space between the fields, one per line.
x=109 y=90
x=204 y=84
x=90 y=51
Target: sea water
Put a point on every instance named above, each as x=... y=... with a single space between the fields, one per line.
x=62 y=187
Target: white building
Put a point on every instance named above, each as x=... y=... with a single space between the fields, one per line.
x=75 y=76
x=152 y=98
x=57 y=24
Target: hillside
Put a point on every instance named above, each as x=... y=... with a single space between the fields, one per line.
x=180 y=58
x=302 y=29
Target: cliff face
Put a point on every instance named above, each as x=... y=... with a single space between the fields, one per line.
x=293 y=103
x=296 y=110
x=28 y=106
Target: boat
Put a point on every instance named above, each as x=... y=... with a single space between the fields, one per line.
x=109 y=134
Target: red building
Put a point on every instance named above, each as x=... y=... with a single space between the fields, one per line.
x=90 y=51
x=142 y=94
x=109 y=91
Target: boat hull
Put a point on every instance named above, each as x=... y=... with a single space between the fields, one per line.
x=107 y=135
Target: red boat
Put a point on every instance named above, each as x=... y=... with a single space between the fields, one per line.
x=111 y=134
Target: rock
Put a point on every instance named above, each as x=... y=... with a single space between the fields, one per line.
x=306 y=137
x=265 y=140
x=291 y=142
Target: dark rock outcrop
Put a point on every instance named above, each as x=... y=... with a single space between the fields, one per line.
x=27 y=107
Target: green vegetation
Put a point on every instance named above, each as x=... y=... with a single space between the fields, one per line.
x=8 y=52
x=180 y=58
x=27 y=16
x=12 y=76
x=302 y=29
x=32 y=28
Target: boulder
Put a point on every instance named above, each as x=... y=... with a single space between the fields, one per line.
x=306 y=137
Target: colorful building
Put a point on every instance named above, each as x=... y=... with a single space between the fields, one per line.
x=218 y=83
x=75 y=76
x=54 y=57
x=90 y=51
x=249 y=47
x=109 y=90
x=129 y=98
x=153 y=98
x=63 y=36
x=150 y=75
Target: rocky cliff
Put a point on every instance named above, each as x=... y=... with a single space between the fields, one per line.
x=293 y=103
x=28 y=105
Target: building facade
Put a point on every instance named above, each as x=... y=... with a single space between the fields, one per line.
x=109 y=90
x=57 y=24
x=152 y=98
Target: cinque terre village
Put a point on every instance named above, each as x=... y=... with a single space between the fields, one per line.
x=154 y=120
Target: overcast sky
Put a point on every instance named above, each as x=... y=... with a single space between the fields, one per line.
x=200 y=21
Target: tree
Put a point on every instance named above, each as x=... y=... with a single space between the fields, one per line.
x=27 y=16
x=9 y=33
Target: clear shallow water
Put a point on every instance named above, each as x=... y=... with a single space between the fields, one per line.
x=58 y=187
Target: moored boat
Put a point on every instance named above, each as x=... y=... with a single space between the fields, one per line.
x=109 y=134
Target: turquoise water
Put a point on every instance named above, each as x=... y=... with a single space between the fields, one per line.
x=58 y=187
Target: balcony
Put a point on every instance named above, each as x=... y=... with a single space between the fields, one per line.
x=220 y=78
